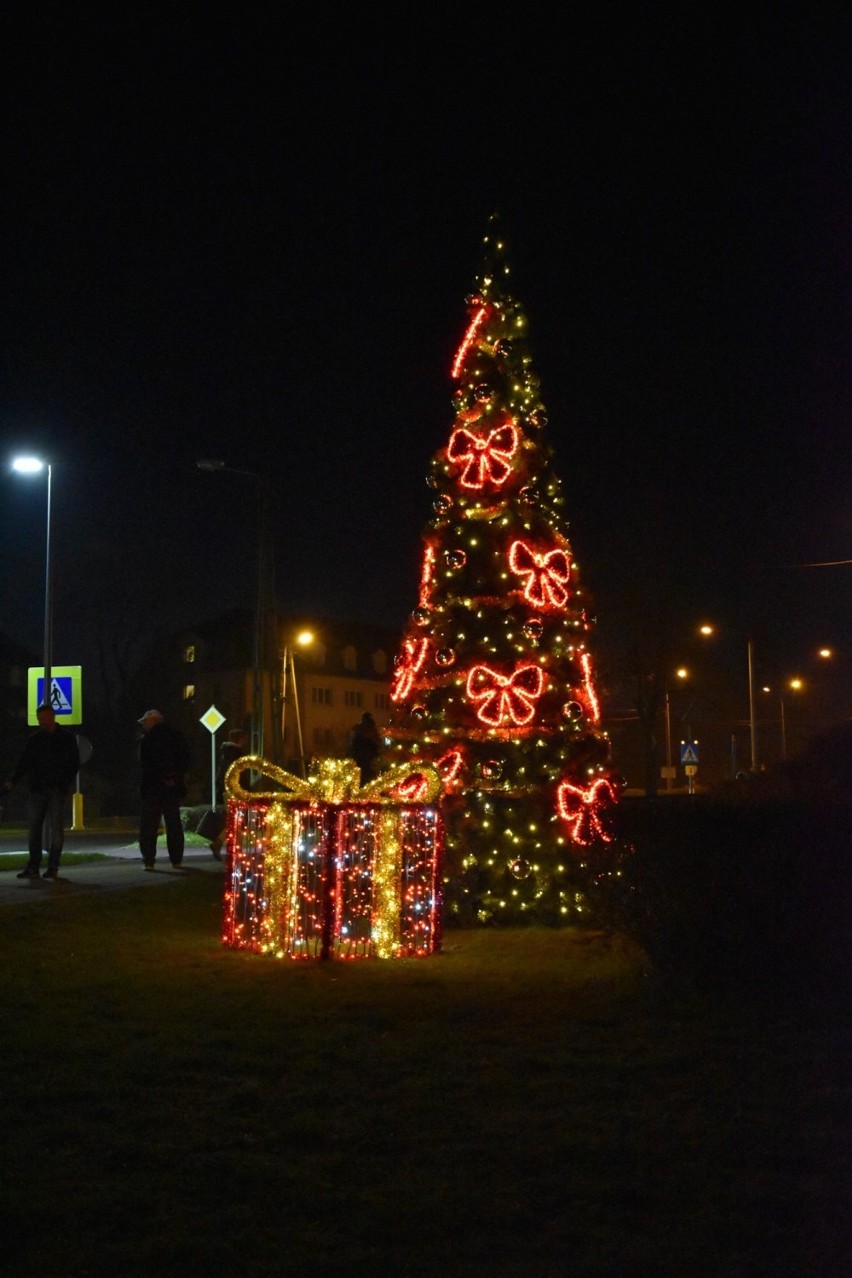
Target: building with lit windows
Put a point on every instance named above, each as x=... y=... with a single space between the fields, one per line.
x=312 y=694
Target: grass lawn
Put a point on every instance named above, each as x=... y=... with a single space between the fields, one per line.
x=526 y=1102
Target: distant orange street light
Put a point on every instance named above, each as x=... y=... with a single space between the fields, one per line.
x=707 y=629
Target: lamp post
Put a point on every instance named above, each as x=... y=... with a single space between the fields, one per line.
x=681 y=673
x=751 y=715
x=32 y=466
x=288 y=671
x=783 y=728
x=707 y=629
x=669 y=764
x=264 y=615
x=795 y=685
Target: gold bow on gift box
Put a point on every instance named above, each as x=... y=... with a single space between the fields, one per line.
x=336 y=783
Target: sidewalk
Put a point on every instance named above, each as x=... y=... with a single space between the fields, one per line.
x=123 y=870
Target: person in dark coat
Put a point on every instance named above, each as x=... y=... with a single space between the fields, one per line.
x=48 y=764
x=164 y=761
x=364 y=746
x=235 y=747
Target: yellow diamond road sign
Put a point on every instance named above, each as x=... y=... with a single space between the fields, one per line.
x=212 y=719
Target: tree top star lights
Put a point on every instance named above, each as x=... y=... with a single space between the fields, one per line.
x=494 y=680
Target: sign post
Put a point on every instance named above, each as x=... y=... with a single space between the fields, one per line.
x=84 y=745
x=65 y=696
x=212 y=720
x=689 y=759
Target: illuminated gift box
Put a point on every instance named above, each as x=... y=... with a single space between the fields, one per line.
x=321 y=868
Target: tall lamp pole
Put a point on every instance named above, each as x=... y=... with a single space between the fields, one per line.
x=669 y=765
x=708 y=629
x=288 y=672
x=264 y=615
x=32 y=466
x=680 y=673
x=751 y=715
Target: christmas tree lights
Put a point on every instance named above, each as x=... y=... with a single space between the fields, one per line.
x=494 y=683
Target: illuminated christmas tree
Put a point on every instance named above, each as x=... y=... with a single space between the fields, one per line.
x=494 y=682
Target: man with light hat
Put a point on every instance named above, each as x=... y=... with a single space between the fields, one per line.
x=164 y=760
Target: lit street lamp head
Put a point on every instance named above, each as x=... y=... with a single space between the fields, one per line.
x=27 y=465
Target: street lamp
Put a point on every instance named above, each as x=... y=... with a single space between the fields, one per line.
x=796 y=685
x=707 y=629
x=288 y=670
x=681 y=673
x=265 y=600
x=32 y=466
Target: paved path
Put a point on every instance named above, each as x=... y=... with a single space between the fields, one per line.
x=123 y=870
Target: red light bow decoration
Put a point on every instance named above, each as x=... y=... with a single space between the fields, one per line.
x=427 y=575
x=503 y=699
x=486 y=458
x=414 y=654
x=414 y=789
x=450 y=767
x=580 y=809
x=468 y=340
x=586 y=664
x=546 y=575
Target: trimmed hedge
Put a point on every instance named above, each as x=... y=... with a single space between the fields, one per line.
x=750 y=896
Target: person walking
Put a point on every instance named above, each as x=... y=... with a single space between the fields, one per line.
x=364 y=746
x=164 y=760
x=48 y=764
x=234 y=748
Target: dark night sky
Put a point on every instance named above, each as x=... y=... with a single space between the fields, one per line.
x=228 y=238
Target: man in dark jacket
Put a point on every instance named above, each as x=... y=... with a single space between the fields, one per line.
x=234 y=748
x=48 y=764
x=164 y=760
x=364 y=746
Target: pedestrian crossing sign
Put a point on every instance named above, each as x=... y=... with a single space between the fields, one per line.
x=66 y=693
x=689 y=752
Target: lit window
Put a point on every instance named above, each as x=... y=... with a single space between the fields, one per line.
x=188 y=691
x=189 y=653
